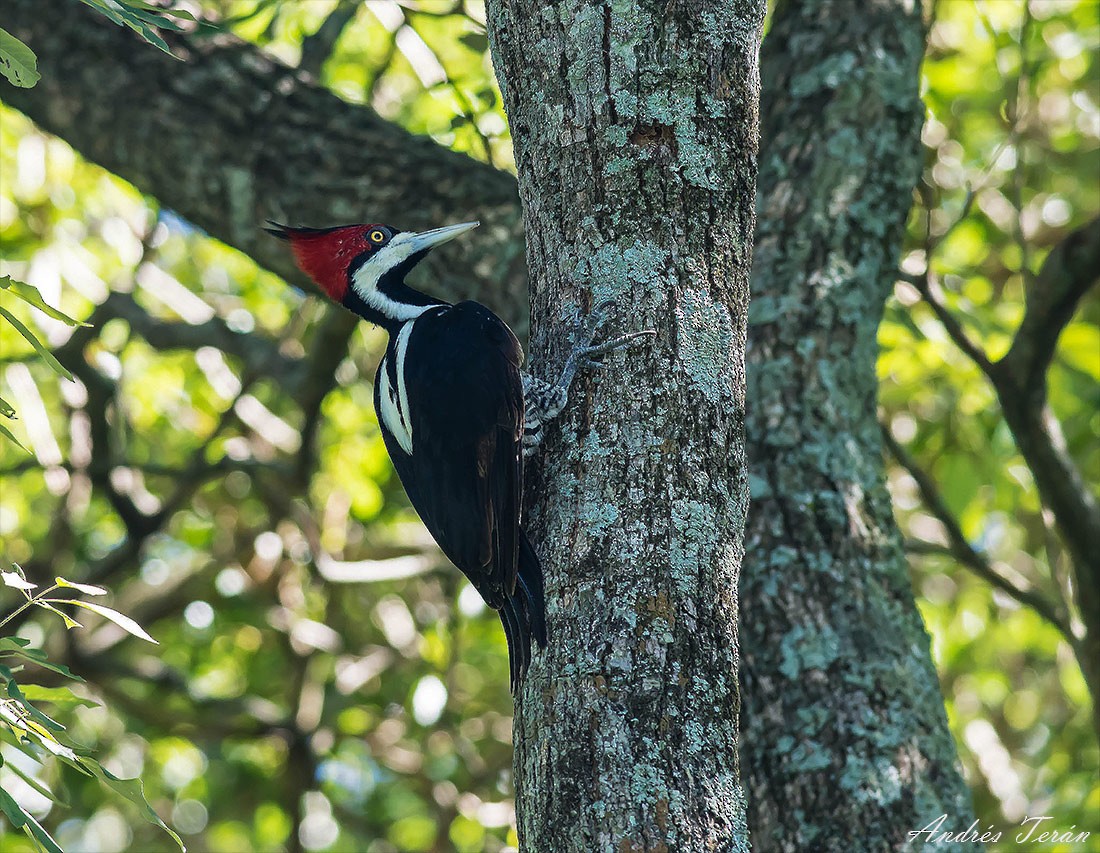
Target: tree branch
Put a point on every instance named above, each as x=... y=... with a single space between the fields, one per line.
x=960 y=548
x=1067 y=274
x=932 y=294
x=229 y=137
x=1019 y=379
x=317 y=47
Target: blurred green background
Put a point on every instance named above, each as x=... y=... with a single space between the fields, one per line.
x=314 y=670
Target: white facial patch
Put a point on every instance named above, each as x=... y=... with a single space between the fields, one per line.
x=366 y=278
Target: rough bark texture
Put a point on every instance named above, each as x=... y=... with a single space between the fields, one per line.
x=846 y=740
x=229 y=137
x=635 y=137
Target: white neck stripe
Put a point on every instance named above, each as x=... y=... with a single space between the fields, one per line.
x=402 y=394
x=364 y=281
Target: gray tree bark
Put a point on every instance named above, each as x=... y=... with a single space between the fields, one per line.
x=635 y=130
x=846 y=741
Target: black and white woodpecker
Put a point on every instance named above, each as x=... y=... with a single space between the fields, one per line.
x=456 y=413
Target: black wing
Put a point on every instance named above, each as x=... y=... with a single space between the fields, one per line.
x=465 y=473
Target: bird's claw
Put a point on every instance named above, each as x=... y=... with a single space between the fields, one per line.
x=616 y=343
x=596 y=319
x=587 y=355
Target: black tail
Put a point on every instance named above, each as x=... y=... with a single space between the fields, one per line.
x=524 y=614
x=530 y=582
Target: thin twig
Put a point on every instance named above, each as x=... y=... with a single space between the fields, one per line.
x=965 y=553
x=932 y=293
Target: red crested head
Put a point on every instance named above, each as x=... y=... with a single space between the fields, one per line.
x=326 y=255
x=363 y=267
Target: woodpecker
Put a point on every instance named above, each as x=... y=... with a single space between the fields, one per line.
x=450 y=399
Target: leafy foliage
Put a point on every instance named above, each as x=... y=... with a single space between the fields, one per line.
x=141 y=17
x=1011 y=170
x=314 y=675
x=20 y=66
x=17 y=61
x=32 y=297
x=33 y=734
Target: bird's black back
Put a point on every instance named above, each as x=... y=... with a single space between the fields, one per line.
x=465 y=473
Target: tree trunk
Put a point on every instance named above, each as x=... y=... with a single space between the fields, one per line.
x=846 y=740
x=635 y=138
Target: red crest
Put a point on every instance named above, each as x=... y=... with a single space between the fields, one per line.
x=326 y=254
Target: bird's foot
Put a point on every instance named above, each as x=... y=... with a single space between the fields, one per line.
x=587 y=354
x=545 y=400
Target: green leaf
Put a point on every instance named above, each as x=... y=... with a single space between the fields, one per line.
x=148 y=33
x=18 y=646
x=51 y=743
x=60 y=696
x=137 y=16
x=157 y=11
x=103 y=9
x=120 y=619
x=477 y=42
x=21 y=820
x=35 y=784
x=8 y=434
x=17 y=61
x=49 y=722
x=133 y=791
x=45 y=604
x=5 y=409
x=85 y=588
x=47 y=356
x=59 y=668
x=31 y=296
x=130 y=789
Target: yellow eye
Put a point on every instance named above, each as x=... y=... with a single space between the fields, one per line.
x=377 y=236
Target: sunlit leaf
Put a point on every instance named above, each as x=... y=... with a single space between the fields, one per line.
x=39 y=347
x=120 y=619
x=49 y=722
x=85 y=588
x=134 y=791
x=17 y=61
x=31 y=296
x=56 y=696
x=34 y=783
x=7 y=433
x=45 y=604
x=21 y=820
x=15 y=581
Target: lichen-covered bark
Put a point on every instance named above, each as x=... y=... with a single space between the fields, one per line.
x=846 y=740
x=227 y=136
x=635 y=137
